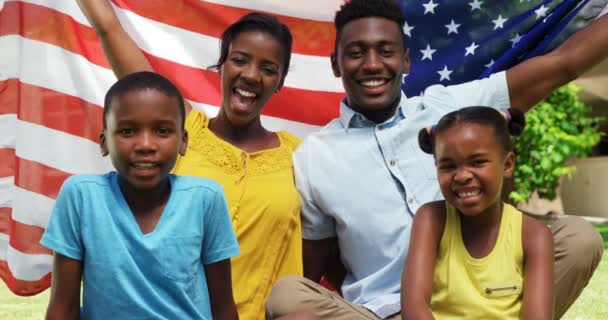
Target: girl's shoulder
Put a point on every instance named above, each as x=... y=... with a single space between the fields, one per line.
x=534 y=232
x=432 y=216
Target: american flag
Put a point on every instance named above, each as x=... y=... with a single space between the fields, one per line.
x=53 y=76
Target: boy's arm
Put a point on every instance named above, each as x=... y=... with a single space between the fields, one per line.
x=124 y=55
x=219 y=283
x=538 y=270
x=532 y=80
x=65 y=289
x=417 y=279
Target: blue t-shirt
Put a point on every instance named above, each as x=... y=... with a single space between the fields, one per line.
x=131 y=275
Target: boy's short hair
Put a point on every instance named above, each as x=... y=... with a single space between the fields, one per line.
x=141 y=81
x=357 y=9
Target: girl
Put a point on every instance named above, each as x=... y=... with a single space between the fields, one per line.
x=472 y=256
x=252 y=164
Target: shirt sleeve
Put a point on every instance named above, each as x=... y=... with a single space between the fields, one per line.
x=62 y=234
x=490 y=92
x=316 y=225
x=219 y=239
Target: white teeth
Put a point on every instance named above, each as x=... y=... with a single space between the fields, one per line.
x=372 y=83
x=468 y=194
x=144 y=165
x=245 y=93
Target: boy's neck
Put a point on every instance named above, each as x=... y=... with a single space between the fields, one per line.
x=145 y=202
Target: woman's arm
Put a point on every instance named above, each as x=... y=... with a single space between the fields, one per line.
x=219 y=283
x=65 y=289
x=417 y=279
x=538 y=270
x=124 y=55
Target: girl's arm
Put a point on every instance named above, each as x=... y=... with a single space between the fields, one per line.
x=124 y=55
x=538 y=270
x=65 y=289
x=219 y=283
x=417 y=279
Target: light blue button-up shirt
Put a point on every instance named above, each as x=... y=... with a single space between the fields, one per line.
x=362 y=182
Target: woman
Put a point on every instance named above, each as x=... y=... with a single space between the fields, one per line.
x=252 y=164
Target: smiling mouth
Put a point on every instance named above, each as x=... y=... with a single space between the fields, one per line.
x=242 y=100
x=375 y=83
x=468 y=194
x=144 y=165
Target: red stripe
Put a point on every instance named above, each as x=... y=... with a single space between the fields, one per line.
x=5 y=218
x=39 y=178
x=7 y=162
x=9 y=97
x=309 y=37
x=20 y=287
x=26 y=238
x=309 y=106
x=55 y=110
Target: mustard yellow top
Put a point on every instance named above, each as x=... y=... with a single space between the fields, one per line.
x=263 y=203
x=487 y=288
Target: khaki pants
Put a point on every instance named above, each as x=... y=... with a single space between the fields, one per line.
x=577 y=250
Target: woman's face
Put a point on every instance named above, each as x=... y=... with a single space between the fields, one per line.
x=250 y=75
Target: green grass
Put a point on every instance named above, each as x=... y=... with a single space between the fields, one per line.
x=591 y=305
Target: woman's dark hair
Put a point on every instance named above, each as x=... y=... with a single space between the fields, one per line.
x=505 y=124
x=256 y=22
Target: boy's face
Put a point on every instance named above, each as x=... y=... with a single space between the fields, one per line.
x=371 y=59
x=143 y=136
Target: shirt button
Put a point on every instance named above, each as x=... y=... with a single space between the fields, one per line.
x=410 y=201
x=392 y=163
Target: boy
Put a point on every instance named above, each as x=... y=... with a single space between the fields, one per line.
x=146 y=244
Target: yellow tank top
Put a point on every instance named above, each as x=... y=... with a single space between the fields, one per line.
x=487 y=288
x=264 y=206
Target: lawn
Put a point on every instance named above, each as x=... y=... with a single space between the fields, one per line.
x=592 y=304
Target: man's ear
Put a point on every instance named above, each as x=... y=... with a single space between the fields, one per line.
x=334 y=64
x=509 y=164
x=103 y=144
x=406 y=61
x=184 y=145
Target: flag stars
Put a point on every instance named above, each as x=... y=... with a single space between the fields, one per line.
x=452 y=27
x=407 y=29
x=429 y=7
x=499 y=22
x=541 y=12
x=476 y=4
x=490 y=64
x=444 y=74
x=427 y=53
x=545 y=19
x=470 y=50
x=515 y=39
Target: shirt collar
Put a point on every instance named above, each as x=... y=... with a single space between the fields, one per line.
x=349 y=118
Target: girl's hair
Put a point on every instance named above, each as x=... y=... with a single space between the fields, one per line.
x=256 y=22
x=505 y=124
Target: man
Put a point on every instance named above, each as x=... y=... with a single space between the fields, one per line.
x=362 y=177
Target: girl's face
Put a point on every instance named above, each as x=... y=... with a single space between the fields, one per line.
x=471 y=165
x=250 y=75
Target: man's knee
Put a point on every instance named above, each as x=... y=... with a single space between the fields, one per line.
x=288 y=295
x=578 y=244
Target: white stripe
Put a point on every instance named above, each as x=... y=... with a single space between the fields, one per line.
x=321 y=10
x=6 y=191
x=3 y=246
x=8 y=127
x=200 y=51
x=52 y=67
x=28 y=267
x=59 y=150
x=32 y=208
x=73 y=75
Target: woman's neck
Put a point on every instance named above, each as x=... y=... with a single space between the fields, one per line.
x=249 y=137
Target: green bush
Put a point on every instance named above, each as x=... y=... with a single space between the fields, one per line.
x=557 y=129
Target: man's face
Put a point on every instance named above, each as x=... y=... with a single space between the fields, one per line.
x=371 y=59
